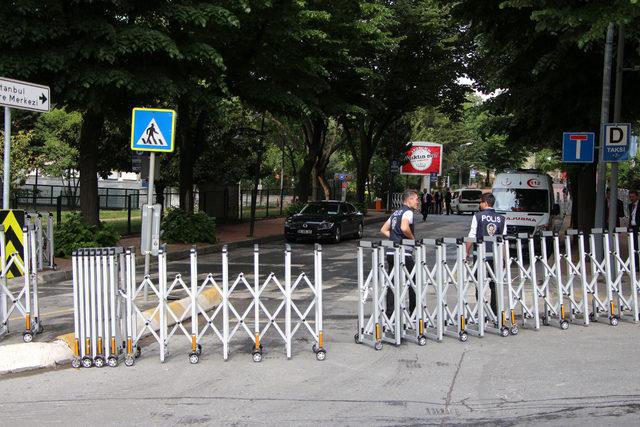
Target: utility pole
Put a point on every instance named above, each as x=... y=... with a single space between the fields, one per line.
x=617 y=105
x=604 y=118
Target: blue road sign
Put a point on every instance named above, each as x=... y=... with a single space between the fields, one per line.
x=153 y=129
x=578 y=147
x=616 y=141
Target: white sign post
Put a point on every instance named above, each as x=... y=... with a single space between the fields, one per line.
x=23 y=96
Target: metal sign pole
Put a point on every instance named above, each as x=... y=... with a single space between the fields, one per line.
x=149 y=207
x=7 y=158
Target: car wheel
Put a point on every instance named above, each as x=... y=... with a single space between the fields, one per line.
x=360 y=231
x=337 y=235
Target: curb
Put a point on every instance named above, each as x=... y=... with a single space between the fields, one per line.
x=59 y=276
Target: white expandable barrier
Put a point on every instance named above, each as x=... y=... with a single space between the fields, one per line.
x=550 y=289
x=521 y=279
x=43 y=224
x=23 y=300
x=296 y=307
x=99 y=324
x=454 y=288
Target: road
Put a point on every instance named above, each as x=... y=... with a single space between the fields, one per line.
x=547 y=377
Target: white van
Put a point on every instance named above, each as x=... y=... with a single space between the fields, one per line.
x=466 y=200
x=525 y=196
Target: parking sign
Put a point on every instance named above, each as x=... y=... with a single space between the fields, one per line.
x=616 y=141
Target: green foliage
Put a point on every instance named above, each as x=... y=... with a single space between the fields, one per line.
x=294 y=208
x=24 y=158
x=186 y=227
x=74 y=233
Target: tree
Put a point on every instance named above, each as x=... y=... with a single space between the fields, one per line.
x=22 y=157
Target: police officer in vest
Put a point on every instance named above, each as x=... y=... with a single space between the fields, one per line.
x=400 y=226
x=486 y=222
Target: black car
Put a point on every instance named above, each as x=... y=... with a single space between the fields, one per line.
x=330 y=220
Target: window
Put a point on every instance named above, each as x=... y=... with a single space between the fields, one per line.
x=521 y=200
x=471 y=195
x=350 y=208
x=321 y=209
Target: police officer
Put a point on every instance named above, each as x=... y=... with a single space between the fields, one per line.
x=400 y=226
x=486 y=222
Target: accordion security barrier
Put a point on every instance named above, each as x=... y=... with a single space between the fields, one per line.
x=536 y=280
x=277 y=309
x=24 y=299
x=44 y=226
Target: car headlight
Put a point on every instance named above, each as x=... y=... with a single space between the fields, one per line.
x=325 y=225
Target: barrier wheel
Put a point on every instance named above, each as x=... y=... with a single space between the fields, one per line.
x=98 y=362
x=138 y=352
x=464 y=337
x=504 y=331
x=422 y=340
x=27 y=337
x=76 y=363
x=514 y=330
x=87 y=362
x=321 y=355
x=314 y=348
x=112 y=361
x=545 y=321
x=194 y=358
x=199 y=350
x=356 y=338
x=564 y=325
x=591 y=317
x=257 y=356
x=613 y=320
x=129 y=360
x=378 y=345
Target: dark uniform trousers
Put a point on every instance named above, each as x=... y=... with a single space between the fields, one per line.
x=492 y=288
x=408 y=262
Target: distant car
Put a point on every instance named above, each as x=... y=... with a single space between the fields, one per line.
x=324 y=220
x=466 y=200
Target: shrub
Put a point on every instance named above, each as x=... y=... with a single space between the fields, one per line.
x=75 y=233
x=294 y=208
x=185 y=227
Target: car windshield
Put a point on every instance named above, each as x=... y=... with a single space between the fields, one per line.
x=521 y=200
x=471 y=195
x=321 y=209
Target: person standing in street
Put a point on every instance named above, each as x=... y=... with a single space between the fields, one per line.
x=486 y=222
x=437 y=209
x=634 y=221
x=447 y=200
x=424 y=205
x=400 y=226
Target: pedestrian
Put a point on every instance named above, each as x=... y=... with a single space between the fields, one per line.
x=438 y=203
x=634 y=221
x=447 y=200
x=399 y=226
x=619 y=211
x=431 y=201
x=424 y=205
x=486 y=222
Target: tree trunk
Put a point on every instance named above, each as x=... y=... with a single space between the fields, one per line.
x=325 y=187
x=583 y=198
x=314 y=130
x=90 y=134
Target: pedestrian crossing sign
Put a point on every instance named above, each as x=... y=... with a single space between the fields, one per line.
x=153 y=129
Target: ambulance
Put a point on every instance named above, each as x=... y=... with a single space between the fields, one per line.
x=525 y=197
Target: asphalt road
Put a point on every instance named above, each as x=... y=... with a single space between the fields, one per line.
x=547 y=377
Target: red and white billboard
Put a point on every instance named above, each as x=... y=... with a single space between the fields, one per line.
x=424 y=158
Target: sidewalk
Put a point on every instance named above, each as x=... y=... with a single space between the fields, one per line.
x=232 y=235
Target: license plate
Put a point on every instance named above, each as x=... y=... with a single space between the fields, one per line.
x=304 y=231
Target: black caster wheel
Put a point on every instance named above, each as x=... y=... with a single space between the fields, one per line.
x=87 y=362
x=112 y=361
x=27 y=337
x=356 y=338
x=314 y=348
x=514 y=330
x=564 y=325
x=194 y=358
x=321 y=355
x=98 y=362
x=378 y=346
x=257 y=356
x=199 y=349
x=138 y=352
x=422 y=340
x=463 y=336
x=129 y=360
x=592 y=317
x=504 y=331
x=76 y=363
x=614 y=320
x=545 y=321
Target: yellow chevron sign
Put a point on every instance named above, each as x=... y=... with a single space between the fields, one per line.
x=13 y=220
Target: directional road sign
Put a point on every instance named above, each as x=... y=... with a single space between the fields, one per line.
x=153 y=129
x=578 y=147
x=24 y=95
x=616 y=141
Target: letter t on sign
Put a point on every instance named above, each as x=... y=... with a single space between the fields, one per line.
x=578 y=139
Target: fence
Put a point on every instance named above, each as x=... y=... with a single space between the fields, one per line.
x=111 y=317
x=513 y=282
